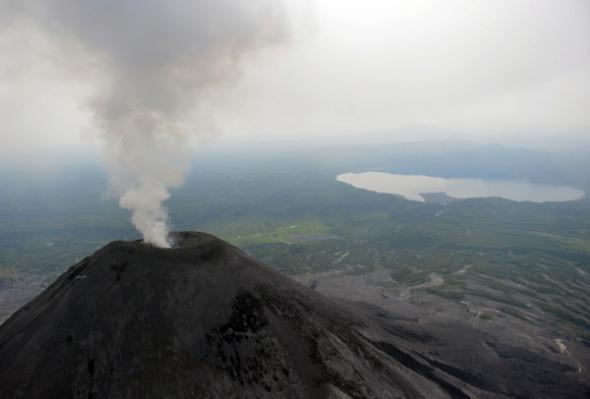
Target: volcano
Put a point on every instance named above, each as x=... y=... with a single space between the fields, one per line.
x=205 y=320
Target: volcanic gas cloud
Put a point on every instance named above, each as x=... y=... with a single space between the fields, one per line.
x=156 y=61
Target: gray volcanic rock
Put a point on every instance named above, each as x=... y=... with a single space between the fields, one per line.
x=205 y=320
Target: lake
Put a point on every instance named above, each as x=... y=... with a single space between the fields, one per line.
x=413 y=187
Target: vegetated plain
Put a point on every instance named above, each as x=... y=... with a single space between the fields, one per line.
x=489 y=261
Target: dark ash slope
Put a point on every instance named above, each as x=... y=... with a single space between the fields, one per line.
x=205 y=320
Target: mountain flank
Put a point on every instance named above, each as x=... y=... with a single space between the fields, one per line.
x=205 y=320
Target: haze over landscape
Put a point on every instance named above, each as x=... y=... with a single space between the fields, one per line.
x=404 y=183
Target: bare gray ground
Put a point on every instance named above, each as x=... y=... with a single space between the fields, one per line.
x=468 y=332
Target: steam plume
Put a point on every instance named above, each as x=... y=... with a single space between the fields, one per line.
x=157 y=59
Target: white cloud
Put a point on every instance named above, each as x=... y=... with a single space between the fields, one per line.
x=488 y=67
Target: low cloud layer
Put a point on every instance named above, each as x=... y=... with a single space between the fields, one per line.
x=497 y=68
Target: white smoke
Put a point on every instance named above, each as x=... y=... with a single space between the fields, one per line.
x=156 y=59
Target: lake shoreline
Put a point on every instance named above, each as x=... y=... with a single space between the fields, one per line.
x=446 y=190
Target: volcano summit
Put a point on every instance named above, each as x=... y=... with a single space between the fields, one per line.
x=205 y=320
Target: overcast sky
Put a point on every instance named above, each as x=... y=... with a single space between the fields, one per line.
x=495 y=67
